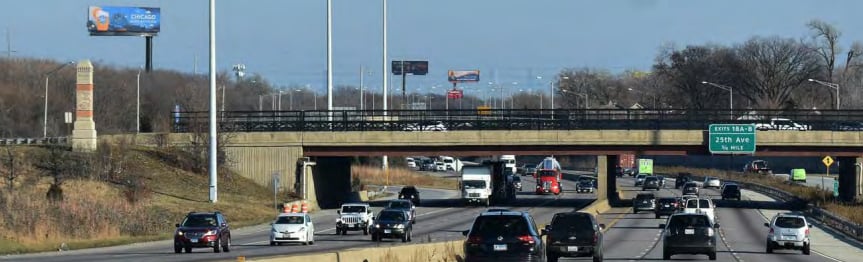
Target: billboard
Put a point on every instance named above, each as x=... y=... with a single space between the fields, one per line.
x=123 y=21
x=454 y=94
x=458 y=76
x=412 y=67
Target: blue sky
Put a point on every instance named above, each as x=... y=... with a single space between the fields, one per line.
x=285 y=40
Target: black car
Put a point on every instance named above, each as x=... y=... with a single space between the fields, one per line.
x=503 y=235
x=392 y=223
x=516 y=182
x=682 y=179
x=689 y=234
x=585 y=186
x=690 y=188
x=411 y=193
x=203 y=230
x=650 y=182
x=643 y=202
x=666 y=206
x=731 y=191
x=574 y=234
x=406 y=206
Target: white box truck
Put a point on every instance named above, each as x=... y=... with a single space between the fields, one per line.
x=475 y=184
x=509 y=160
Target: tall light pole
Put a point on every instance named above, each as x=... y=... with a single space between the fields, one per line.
x=330 y=60
x=552 y=91
x=138 y=106
x=280 y=99
x=212 y=155
x=45 y=116
x=384 y=72
x=830 y=85
x=730 y=95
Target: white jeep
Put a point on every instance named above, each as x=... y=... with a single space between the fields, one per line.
x=354 y=217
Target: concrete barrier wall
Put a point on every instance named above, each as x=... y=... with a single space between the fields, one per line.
x=433 y=252
x=259 y=163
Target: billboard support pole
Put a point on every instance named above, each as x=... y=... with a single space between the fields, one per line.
x=149 y=59
x=404 y=82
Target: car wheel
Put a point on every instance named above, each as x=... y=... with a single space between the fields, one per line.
x=227 y=247
x=374 y=238
x=712 y=256
x=551 y=258
x=217 y=247
x=405 y=237
x=597 y=258
x=635 y=211
x=177 y=249
x=410 y=235
x=665 y=254
x=272 y=243
x=188 y=250
x=769 y=248
x=344 y=231
x=658 y=216
x=806 y=249
x=366 y=231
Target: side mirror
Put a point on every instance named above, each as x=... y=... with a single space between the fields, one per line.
x=547 y=227
x=464 y=233
x=662 y=226
x=543 y=232
x=176 y=225
x=716 y=225
x=767 y=224
x=810 y=225
x=601 y=226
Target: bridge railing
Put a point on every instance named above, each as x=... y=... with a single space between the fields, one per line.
x=35 y=141
x=509 y=119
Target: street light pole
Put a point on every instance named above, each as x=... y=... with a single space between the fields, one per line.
x=730 y=95
x=830 y=85
x=45 y=116
x=138 y=107
x=213 y=167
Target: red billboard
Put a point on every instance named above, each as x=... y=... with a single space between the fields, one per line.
x=454 y=94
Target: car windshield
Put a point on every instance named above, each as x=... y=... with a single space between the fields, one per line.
x=516 y=179
x=547 y=173
x=504 y=225
x=731 y=188
x=409 y=190
x=353 y=209
x=399 y=204
x=790 y=222
x=531 y=170
x=579 y=224
x=473 y=184
x=704 y=203
x=639 y=177
x=392 y=216
x=690 y=184
x=644 y=196
x=689 y=221
x=586 y=182
x=667 y=200
x=200 y=221
x=290 y=220
x=650 y=179
x=692 y=203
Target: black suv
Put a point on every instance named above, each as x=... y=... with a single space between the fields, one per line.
x=574 y=234
x=731 y=191
x=199 y=230
x=682 y=179
x=410 y=192
x=643 y=202
x=406 y=206
x=503 y=235
x=392 y=223
x=666 y=206
x=689 y=234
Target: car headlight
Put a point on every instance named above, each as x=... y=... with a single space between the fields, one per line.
x=210 y=232
x=179 y=233
x=377 y=226
x=400 y=226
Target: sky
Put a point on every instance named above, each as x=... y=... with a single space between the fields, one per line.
x=510 y=41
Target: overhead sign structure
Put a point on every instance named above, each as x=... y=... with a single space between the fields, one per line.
x=410 y=67
x=732 y=138
x=461 y=76
x=124 y=21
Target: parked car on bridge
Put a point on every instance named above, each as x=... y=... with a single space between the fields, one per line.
x=426 y=126
x=781 y=124
x=847 y=126
x=689 y=234
x=573 y=234
x=392 y=223
x=503 y=235
x=788 y=231
x=203 y=230
x=292 y=228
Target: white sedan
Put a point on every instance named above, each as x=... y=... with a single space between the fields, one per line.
x=292 y=228
x=712 y=182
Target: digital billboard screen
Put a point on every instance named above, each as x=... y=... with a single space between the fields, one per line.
x=457 y=76
x=411 y=67
x=123 y=21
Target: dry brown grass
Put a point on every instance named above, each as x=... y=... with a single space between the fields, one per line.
x=822 y=198
x=96 y=213
x=449 y=253
x=369 y=175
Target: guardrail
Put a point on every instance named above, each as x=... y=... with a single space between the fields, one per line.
x=507 y=119
x=35 y=141
x=827 y=218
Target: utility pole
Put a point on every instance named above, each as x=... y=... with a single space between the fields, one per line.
x=9 y=43
x=330 y=60
x=362 y=84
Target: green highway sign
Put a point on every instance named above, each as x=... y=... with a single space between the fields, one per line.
x=732 y=138
x=836 y=187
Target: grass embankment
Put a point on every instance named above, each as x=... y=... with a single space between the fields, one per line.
x=98 y=211
x=368 y=175
x=815 y=195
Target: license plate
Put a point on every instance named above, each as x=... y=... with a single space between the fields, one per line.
x=666 y=205
x=787 y=237
x=572 y=249
x=194 y=240
x=500 y=247
x=387 y=231
x=689 y=231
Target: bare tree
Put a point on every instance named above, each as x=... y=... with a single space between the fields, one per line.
x=685 y=70
x=825 y=37
x=10 y=175
x=774 y=68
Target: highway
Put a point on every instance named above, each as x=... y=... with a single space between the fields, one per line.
x=439 y=217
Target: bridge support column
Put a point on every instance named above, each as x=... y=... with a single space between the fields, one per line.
x=849 y=177
x=606 y=184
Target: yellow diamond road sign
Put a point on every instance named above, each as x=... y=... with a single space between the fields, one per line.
x=827 y=160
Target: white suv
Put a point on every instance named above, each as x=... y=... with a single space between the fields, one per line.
x=354 y=217
x=788 y=231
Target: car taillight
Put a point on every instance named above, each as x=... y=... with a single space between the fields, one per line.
x=474 y=240
x=807 y=232
x=771 y=230
x=526 y=239
x=595 y=238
